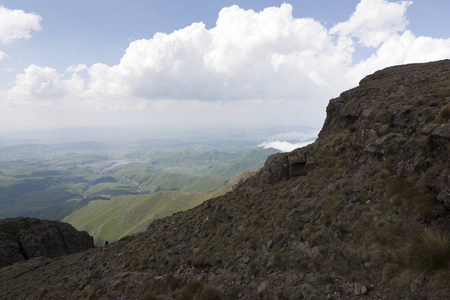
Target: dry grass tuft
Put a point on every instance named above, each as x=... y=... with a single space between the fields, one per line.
x=445 y=112
x=209 y=293
x=430 y=250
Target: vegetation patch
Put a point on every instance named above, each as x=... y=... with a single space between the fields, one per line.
x=430 y=250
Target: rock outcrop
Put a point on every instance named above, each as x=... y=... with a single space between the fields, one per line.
x=286 y=165
x=391 y=114
x=25 y=238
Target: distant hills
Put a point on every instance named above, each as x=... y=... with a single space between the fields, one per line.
x=57 y=180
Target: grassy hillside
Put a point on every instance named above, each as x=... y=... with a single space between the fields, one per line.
x=146 y=178
x=109 y=220
x=204 y=160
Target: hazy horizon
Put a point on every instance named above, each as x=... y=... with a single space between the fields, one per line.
x=280 y=138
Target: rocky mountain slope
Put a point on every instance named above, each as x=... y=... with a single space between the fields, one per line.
x=25 y=238
x=362 y=213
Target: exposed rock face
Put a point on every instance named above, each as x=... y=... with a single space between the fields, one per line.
x=286 y=165
x=391 y=114
x=241 y=177
x=24 y=238
x=391 y=98
x=402 y=127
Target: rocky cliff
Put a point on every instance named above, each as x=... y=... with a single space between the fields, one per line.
x=362 y=213
x=25 y=238
x=399 y=114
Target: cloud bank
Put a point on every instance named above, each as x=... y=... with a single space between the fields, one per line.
x=252 y=68
x=284 y=146
x=248 y=55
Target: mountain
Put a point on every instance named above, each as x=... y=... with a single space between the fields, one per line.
x=362 y=213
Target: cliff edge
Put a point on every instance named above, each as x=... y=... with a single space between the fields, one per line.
x=25 y=238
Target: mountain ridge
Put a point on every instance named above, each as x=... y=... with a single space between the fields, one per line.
x=363 y=212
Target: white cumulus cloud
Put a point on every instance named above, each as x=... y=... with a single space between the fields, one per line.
x=374 y=21
x=248 y=55
x=16 y=24
x=76 y=68
x=38 y=83
x=401 y=49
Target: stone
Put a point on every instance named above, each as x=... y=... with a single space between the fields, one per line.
x=442 y=131
x=24 y=238
x=371 y=148
x=310 y=160
x=297 y=164
x=443 y=294
x=270 y=261
x=311 y=277
x=241 y=228
x=358 y=288
x=363 y=290
x=291 y=279
x=416 y=285
x=419 y=280
x=283 y=166
x=306 y=290
x=383 y=129
x=262 y=287
x=439 y=131
x=314 y=253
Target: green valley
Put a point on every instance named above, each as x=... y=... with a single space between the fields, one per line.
x=115 y=189
x=109 y=220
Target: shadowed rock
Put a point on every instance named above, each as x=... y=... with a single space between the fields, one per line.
x=25 y=238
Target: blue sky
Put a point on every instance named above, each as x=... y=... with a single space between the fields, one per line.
x=120 y=63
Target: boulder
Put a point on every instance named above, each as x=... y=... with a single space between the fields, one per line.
x=25 y=238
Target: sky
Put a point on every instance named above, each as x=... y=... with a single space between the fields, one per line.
x=162 y=64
